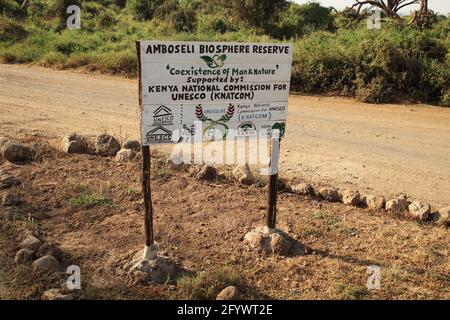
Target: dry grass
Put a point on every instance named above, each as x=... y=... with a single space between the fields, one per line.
x=201 y=226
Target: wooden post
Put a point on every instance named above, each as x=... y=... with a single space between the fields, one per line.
x=148 y=207
x=271 y=215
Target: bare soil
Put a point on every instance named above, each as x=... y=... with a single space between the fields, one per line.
x=92 y=208
x=379 y=149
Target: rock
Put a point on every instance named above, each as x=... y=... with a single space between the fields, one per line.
x=350 y=197
x=374 y=202
x=13 y=214
x=56 y=294
x=51 y=250
x=281 y=184
x=24 y=256
x=280 y=244
x=31 y=243
x=207 y=172
x=404 y=201
x=158 y=270
x=399 y=204
x=8 y=181
x=132 y=145
x=244 y=175
x=303 y=188
x=11 y=200
x=229 y=293
x=255 y=240
x=175 y=162
x=125 y=155
x=106 y=145
x=268 y=241
x=138 y=157
x=329 y=194
x=194 y=170
x=46 y=264
x=74 y=143
x=420 y=210
x=3 y=141
x=442 y=216
x=16 y=152
x=392 y=205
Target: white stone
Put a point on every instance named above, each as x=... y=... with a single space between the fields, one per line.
x=420 y=210
x=46 y=264
x=31 y=243
x=125 y=155
x=244 y=174
x=350 y=197
x=229 y=293
x=56 y=294
x=329 y=194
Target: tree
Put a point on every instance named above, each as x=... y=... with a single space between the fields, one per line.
x=389 y=7
x=144 y=9
x=256 y=13
x=421 y=18
x=299 y=20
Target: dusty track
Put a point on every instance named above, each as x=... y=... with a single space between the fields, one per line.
x=386 y=149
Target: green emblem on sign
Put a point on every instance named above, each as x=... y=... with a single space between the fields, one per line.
x=215 y=61
x=281 y=126
x=215 y=126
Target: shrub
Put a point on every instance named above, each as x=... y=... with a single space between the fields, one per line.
x=375 y=66
x=53 y=59
x=80 y=59
x=107 y=19
x=207 y=285
x=213 y=23
x=445 y=100
x=376 y=91
x=123 y=63
x=12 y=8
x=299 y=20
x=11 y=30
x=38 y=8
x=144 y=9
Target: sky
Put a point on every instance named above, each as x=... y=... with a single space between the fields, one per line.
x=441 y=6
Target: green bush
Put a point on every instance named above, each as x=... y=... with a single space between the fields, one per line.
x=11 y=30
x=38 y=9
x=299 y=20
x=144 y=9
x=372 y=65
x=124 y=63
x=12 y=8
x=209 y=284
x=53 y=59
x=213 y=23
x=377 y=90
x=445 y=100
x=107 y=19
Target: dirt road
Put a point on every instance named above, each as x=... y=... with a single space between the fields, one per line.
x=388 y=149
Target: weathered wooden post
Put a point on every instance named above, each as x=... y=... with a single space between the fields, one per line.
x=271 y=215
x=146 y=167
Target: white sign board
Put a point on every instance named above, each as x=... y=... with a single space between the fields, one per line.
x=212 y=88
